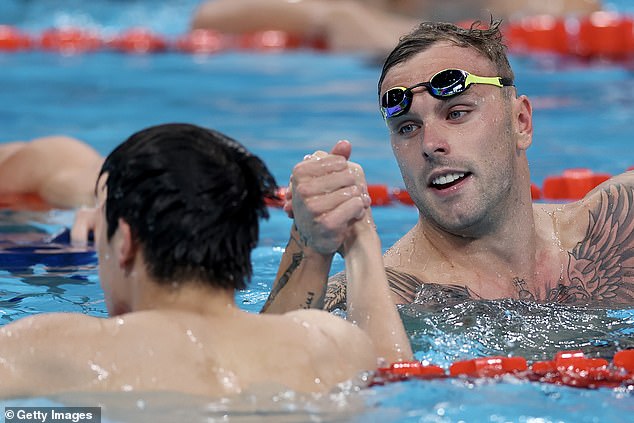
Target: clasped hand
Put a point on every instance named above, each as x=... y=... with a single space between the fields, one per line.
x=327 y=194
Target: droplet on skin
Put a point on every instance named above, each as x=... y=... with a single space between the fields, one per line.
x=191 y=336
x=102 y=374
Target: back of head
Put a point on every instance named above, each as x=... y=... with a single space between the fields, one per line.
x=486 y=40
x=192 y=197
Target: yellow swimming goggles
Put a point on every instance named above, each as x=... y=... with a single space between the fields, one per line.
x=446 y=83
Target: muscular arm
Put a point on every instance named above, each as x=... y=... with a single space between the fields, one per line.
x=369 y=302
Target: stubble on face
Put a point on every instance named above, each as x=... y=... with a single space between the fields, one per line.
x=485 y=150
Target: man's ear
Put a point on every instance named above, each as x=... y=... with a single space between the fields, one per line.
x=127 y=244
x=523 y=119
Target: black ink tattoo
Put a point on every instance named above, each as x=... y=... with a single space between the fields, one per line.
x=405 y=287
x=286 y=276
x=523 y=293
x=309 y=300
x=601 y=266
x=336 y=293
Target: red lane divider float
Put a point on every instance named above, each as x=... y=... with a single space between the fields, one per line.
x=142 y=40
x=20 y=202
x=201 y=41
x=573 y=184
x=570 y=368
x=602 y=34
x=138 y=40
x=11 y=39
x=70 y=41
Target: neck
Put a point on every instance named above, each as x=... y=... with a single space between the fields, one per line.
x=193 y=296
x=493 y=256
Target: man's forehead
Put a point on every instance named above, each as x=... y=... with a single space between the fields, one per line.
x=422 y=66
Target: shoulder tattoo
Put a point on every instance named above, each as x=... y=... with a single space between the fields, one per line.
x=601 y=266
x=405 y=287
x=336 y=292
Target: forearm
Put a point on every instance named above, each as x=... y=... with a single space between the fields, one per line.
x=301 y=279
x=369 y=300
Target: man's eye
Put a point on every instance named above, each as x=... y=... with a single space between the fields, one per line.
x=456 y=114
x=406 y=129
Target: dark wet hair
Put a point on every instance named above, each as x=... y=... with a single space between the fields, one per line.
x=486 y=39
x=192 y=197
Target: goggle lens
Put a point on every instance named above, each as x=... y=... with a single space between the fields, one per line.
x=446 y=83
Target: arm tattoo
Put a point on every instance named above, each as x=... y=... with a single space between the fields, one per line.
x=286 y=276
x=336 y=293
x=405 y=287
x=601 y=266
x=309 y=300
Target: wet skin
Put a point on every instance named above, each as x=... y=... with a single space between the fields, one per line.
x=480 y=235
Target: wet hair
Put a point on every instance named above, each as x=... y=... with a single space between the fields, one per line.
x=487 y=40
x=193 y=198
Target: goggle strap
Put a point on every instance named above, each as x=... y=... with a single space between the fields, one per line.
x=488 y=80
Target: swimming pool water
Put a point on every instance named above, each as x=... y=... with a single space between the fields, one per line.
x=283 y=106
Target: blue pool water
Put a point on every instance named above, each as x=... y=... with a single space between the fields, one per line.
x=283 y=106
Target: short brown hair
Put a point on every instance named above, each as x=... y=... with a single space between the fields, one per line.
x=487 y=40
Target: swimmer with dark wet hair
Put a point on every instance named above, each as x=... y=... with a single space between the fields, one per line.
x=177 y=218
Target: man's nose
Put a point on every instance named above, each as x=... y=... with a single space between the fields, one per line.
x=434 y=140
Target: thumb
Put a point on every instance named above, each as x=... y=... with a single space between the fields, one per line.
x=342 y=148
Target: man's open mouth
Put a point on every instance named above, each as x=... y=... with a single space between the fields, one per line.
x=448 y=180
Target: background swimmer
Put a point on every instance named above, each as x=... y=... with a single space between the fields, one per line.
x=59 y=169
x=373 y=26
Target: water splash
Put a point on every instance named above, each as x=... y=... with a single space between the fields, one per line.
x=448 y=332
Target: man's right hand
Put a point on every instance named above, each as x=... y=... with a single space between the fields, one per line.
x=326 y=195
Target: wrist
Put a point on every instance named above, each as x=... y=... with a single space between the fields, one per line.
x=307 y=251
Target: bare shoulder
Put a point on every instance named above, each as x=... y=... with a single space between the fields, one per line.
x=334 y=338
x=333 y=327
x=51 y=332
x=48 y=353
x=321 y=320
x=597 y=233
x=53 y=323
